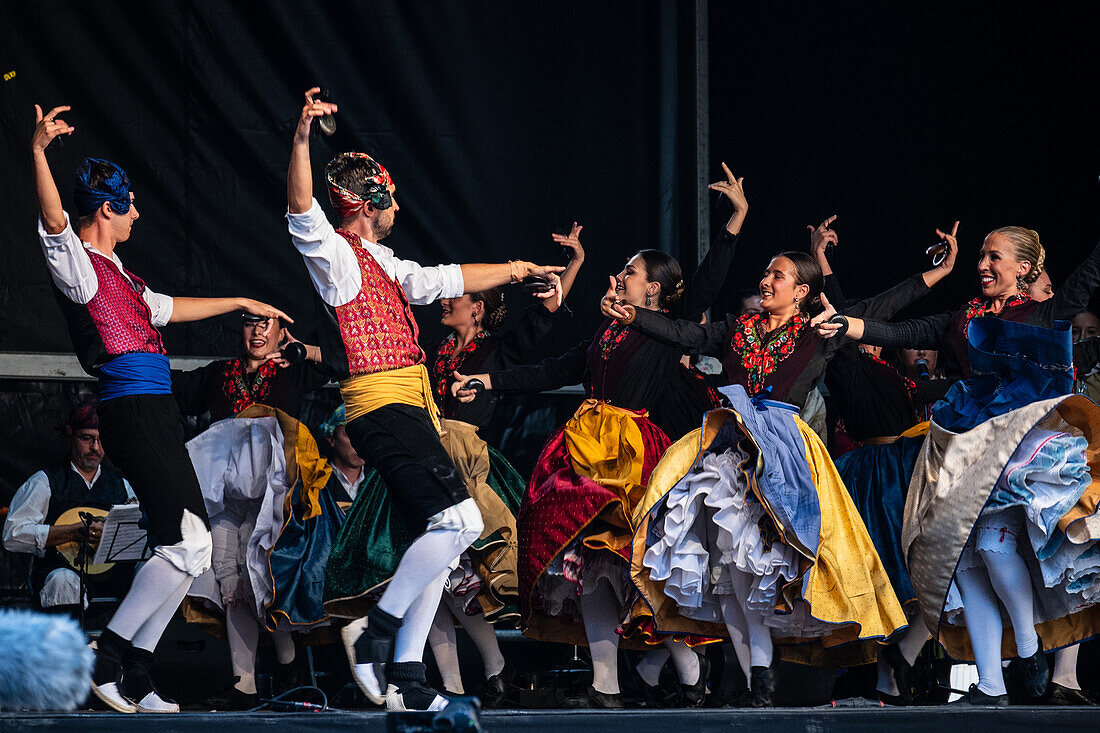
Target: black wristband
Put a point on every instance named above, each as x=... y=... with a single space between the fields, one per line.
x=841 y=321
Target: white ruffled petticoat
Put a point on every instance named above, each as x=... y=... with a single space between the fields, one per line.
x=708 y=524
x=1043 y=480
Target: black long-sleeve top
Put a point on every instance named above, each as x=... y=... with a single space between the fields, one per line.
x=621 y=366
x=870 y=396
x=491 y=352
x=794 y=375
x=214 y=387
x=947 y=331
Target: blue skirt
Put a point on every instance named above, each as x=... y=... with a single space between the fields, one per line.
x=877 y=477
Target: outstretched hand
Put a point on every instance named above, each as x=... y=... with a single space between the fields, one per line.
x=311 y=110
x=821 y=237
x=732 y=188
x=257 y=308
x=612 y=306
x=822 y=324
x=48 y=127
x=951 y=252
x=572 y=241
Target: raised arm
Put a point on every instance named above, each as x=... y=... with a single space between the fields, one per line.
x=712 y=271
x=1074 y=294
x=569 y=275
x=299 y=177
x=47 y=127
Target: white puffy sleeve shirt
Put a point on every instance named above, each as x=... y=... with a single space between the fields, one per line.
x=334 y=269
x=70 y=264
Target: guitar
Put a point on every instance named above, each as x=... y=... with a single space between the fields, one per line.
x=70 y=551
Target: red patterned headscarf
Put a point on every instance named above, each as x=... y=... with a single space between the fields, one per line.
x=82 y=418
x=375 y=187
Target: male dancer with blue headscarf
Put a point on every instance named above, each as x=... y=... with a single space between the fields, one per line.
x=113 y=319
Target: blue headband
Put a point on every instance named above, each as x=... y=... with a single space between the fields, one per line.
x=328 y=428
x=114 y=189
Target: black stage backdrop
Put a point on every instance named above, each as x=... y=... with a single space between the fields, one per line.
x=502 y=121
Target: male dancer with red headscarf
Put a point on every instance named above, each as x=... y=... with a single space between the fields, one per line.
x=391 y=416
x=113 y=319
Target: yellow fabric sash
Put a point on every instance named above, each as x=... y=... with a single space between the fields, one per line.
x=406 y=386
x=605 y=445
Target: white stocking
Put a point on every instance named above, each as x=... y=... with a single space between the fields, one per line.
x=914 y=639
x=650 y=665
x=413 y=635
x=284 y=645
x=157 y=583
x=482 y=633
x=738 y=630
x=1065 y=667
x=601 y=613
x=431 y=555
x=760 y=636
x=243 y=632
x=1011 y=581
x=983 y=624
x=685 y=660
x=444 y=643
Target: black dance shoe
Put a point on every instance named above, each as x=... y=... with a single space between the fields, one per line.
x=762 y=687
x=493 y=692
x=232 y=700
x=603 y=700
x=903 y=675
x=1035 y=672
x=693 y=696
x=408 y=688
x=1059 y=695
x=977 y=698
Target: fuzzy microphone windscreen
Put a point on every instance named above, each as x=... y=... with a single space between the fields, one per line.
x=47 y=663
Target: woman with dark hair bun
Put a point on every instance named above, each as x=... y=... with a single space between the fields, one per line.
x=482 y=590
x=576 y=519
x=784 y=551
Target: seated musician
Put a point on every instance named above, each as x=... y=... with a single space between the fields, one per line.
x=33 y=525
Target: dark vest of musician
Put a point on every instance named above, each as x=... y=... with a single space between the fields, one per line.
x=67 y=491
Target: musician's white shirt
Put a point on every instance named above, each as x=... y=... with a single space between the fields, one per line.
x=26 y=529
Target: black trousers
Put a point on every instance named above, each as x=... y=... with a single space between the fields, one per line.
x=400 y=442
x=143 y=437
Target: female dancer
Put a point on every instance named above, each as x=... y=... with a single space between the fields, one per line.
x=745 y=572
x=948 y=538
x=576 y=518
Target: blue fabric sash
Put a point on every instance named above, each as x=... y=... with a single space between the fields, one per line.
x=135 y=374
x=1013 y=364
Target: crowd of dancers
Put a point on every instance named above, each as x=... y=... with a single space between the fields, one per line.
x=796 y=494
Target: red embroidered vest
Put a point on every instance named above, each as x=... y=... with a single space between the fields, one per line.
x=119 y=311
x=377 y=327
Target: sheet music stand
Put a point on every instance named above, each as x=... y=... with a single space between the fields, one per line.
x=114 y=553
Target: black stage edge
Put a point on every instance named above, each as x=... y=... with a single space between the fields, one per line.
x=788 y=720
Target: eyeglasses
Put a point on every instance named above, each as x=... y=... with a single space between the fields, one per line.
x=86 y=439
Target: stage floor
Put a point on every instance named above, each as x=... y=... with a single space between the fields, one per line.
x=786 y=720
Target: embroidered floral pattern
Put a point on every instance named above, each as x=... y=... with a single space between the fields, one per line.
x=447 y=361
x=909 y=383
x=612 y=336
x=978 y=307
x=237 y=388
x=760 y=351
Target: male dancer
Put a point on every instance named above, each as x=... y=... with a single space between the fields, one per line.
x=391 y=416
x=113 y=319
